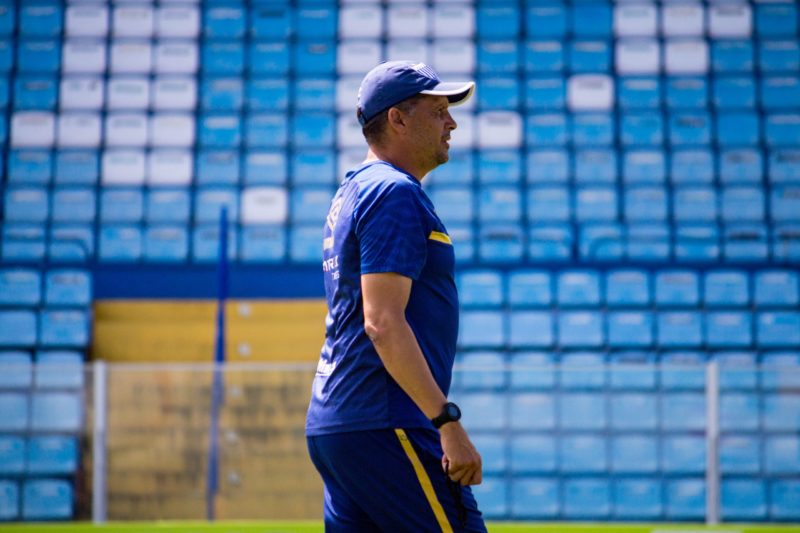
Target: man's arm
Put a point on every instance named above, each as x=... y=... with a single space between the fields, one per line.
x=385 y=299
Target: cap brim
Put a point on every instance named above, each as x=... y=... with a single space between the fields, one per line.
x=457 y=92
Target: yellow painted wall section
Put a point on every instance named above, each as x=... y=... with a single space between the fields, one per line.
x=184 y=330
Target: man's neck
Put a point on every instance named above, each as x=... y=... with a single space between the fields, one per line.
x=395 y=158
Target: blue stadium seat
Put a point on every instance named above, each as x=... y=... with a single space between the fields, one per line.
x=47 y=499
x=26 y=204
x=120 y=243
x=582 y=370
x=785 y=242
x=776 y=288
x=463 y=237
x=641 y=129
x=482 y=329
x=221 y=94
x=738 y=412
x=65 y=287
x=41 y=19
x=533 y=453
x=594 y=166
x=217 y=167
x=588 y=498
x=632 y=370
x=313 y=130
x=272 y=24
x=71 y=243
x=689 y=129
x=780 y=129
x=209 y=203
x=267 y=167
x=577 y=288
x=17 y=328
x=645 y=204
x=63 y=328
x=310 y=203
x=784 y=166
x=499 y=204
x=532 y=370
x=498 y=57
x=778 y=329
x=531 y=329
x=683 y=412
x=501 y=243
x=683 y=454
x=739 y=454
x=52 y=455
x=743 y=499
x=738 y=128
x=780 y=455
x=684 y=93
x=12 y=456
x=13 y=411
x=781 y=412
x=776 y=20
x=483 y=411
x=73 y=205
x=15 y=370
x=8 y=18
x=630 y=329
x=219 y=131
x=546 y=130
x=312 y=167
x=738 y=370
x=77 y=167
x=453 y=204
x=121 y=205
x=648 y=242
x=726 y=288
x=499 y=166
x=314 y=58
x=6 y=55
x=535 y=498
x=206 y=242
x=38 y=56
x=677 y=288
x=539 y=57
x=589 y=56
x=458 y=170
x=779 y=56
x=9 y=500
x=634 y=454
x=596 y=204
x=734 y=92
x=317 y=94
x=304 y=243
x=580 y=329
x=582 y=411
x=20 y=287
x=482 y=371
x=498 y=22
x=594 y=129
x=694 y=166
x=493 y=452
x=643 y=167
x=580 y=453
x=532 y=411
x=683 y=370
x=729 y=329
x=224 y=21
x=600 y=241
x=59 y=370
x=637 y=499
x=56 y=412
x=550 y=243
x=741 y=165
x=785 y=204
x=732 y=55
x=35 y=93
x=627 y=288
x=634 y=412
x=263 y=243
x=168 y=205
x=492 y=497
x=222 y=58
x=638 y=93
x=549 y=204
x=544 y=94
x=544 y=21
x=783 y=497
x=266 y=130
x=591 y=20
x=745 y=242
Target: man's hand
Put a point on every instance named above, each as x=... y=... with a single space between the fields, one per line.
x=461 y=460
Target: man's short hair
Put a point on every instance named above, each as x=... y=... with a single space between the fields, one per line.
x=376 y=127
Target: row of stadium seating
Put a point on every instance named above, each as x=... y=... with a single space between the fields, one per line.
x=319 y=19
x=36 y=499
x=38 y=455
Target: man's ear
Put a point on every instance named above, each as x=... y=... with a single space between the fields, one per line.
x=396 y=119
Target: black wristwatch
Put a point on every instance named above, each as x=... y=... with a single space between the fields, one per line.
x=450 y=413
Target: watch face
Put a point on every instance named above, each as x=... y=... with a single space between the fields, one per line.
x=453 y=412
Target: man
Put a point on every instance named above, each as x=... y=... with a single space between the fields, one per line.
x=380 y=391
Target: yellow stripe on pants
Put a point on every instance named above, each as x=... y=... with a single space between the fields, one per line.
x=424 y=481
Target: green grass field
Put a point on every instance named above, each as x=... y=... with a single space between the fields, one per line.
x=316 y=527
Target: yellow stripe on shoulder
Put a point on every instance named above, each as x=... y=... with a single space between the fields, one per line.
x=424 y=481
x=440 y=237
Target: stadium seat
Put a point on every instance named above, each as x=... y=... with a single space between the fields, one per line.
x=637 y=499
x=531 y=370
x=778 y=329
x=677 y=288
x=632 y=370
x=304 y=243
x=227 y=58
x=588 y=498
x=502 y=243
x=177 y=22
x=786 y=242
x=582 y=411
x=641 y=129
x=530 y=329
x=498 y=203
x=781 y=412
x=635 y=20
x=120 y=243
x=726 y=288
x=492 y=495
x=634 y=454
x=535 y=497
x=643 y=167
x=482 y=371
x=217 y=167
x=12 y=455
x=14 y=410
x=532 y=453
x=600 y=241
x=497 y=57
x=8 y=19
x=18 y=328
x=745 y=243
x=15 y=370
x=629 y=329
x=52 y=455
x=499 y=166
x=549 y=204
x=73 y=205
x=20 y=287
x=63 y=328
x=529 y=288
x=532 y=411
x=165 y=244
x=457 y=171
x=775 y=20
x=594 y=165
x=47 y=499
x=735 y=21
x=743 y=499
x=224 y=21
x=737 y=129
x=648 y=242
x=729 y=329
x=783 y=165
x=683 y=412
x=544 y=56
x=580 y=329
x=738 y=412
x=738 y=370
x=578 y=288
x=407 y=21
x=685 y=499
x=779 y=128
x=169 y=167
x=780 y=455
x=739 y=454
x=9 y=500
x=785 y=204
x=783 y=498
x=71 y=243
x=67 y=288
x=550 y=243
x=221 y=94
x=645 y=204
x=782 y=56
x=627 y=288
x=483 y=411
x=263 y=243
x=734 y=92
x=579 y=453
x=693 y=167
x=634 y=412
x=776 y=288
x=59 y=370
x=453 y=56
x=740 y=165
x=30 y=167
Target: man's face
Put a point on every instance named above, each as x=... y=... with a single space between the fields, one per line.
x=430 y=125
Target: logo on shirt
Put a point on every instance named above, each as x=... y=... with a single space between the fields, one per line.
x=333 y=214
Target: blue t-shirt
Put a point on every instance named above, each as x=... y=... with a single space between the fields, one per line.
x=381 y=221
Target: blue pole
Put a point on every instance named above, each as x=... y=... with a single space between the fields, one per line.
x=219 y=360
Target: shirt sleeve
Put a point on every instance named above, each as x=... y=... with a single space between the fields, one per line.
x=392 y=231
